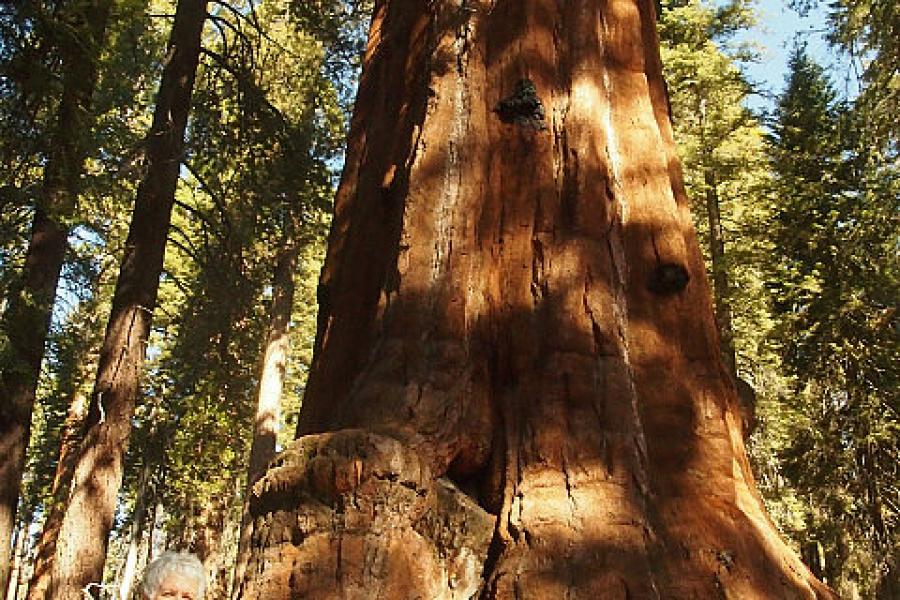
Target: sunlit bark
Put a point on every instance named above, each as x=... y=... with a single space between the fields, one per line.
x=135 y=534
x=62 y=481
x=271 y=385
x=19 y=558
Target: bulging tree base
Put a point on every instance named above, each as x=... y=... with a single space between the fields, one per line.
x=355 y=514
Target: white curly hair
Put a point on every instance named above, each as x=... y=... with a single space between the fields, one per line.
x=183 y=563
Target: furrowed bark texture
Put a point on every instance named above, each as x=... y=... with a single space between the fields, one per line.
x=515 y=329
x=82 y=543
x=27 y=317
x=19 y=556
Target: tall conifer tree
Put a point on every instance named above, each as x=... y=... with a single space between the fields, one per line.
x=26 y=319
x=835 y=282
x=83 y=537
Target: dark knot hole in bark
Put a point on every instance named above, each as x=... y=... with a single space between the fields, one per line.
x=668 y=278
x=523 y=107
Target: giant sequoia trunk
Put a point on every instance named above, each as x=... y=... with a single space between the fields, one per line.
x=27 y=316
x=517 y=390
x=81 y=548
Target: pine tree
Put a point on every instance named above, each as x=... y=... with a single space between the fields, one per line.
x=867 y=30
x=26 y=318
x=836 y=284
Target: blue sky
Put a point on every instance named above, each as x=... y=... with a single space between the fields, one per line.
x=778 y=26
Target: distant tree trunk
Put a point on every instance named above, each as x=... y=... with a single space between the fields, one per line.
x=30 y=305
x=157 y=518
x=136 y=535
x=59 y=492
x=271 y=384
x=20 y=542
x=81 y=550
x=274 y=364
x=721 y=289
x=746 y=395
x=517 y=390
x=208 y=545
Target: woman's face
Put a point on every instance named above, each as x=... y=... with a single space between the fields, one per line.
x=177 y=586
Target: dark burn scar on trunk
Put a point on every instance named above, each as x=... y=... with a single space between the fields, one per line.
x=523 y=107
x=668 y=278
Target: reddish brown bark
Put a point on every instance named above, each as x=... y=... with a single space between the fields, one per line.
x=45 y=549
x=81 y=548
x=515 y=329
x=27 y=316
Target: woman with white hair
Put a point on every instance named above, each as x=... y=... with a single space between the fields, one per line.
x=174 y=576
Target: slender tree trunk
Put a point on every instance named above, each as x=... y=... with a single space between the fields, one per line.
x=207 y=544
x=30 y=305
x=157 y=519
x=722 y=301
x=274 y=364
x=517 y=390
x=271 y=383
x=721 y=288
x=20 y=542
x=136 y=535
x=62 y=480
x=81 y=550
